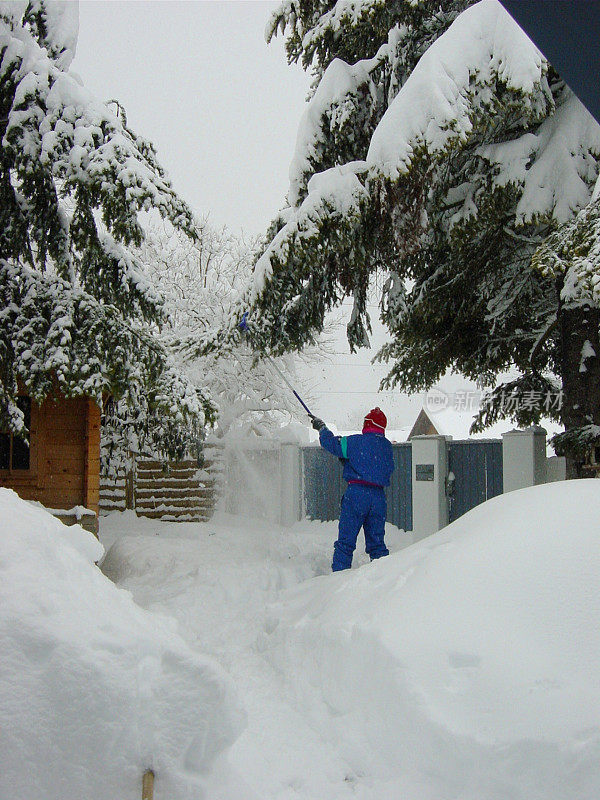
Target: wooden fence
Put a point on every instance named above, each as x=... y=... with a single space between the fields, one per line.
x=173 y=492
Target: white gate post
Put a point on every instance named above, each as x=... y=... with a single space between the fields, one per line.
x=290 y=484
x=523 y=458
x=429 y=472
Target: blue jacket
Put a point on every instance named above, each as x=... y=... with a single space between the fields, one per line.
x=367 y=456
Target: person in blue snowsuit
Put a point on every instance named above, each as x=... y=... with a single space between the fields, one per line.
x=368 y=466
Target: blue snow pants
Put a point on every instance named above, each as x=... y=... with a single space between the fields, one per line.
x=362 y=507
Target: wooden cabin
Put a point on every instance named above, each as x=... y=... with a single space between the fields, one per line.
x=60 y=467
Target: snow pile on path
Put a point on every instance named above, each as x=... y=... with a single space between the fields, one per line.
x=219 y=579
x=93 y=689
x=466 y=665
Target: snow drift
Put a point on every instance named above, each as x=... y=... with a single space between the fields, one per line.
x=93 y=689
x=466 y=665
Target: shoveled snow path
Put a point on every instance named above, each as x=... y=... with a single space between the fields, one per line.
x=219 y=580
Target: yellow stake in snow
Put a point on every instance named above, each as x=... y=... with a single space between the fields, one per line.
x=148 y=785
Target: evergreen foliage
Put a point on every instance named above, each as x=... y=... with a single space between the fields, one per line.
x=570 y=257
x=361 y=54
x=78 y=312
x=474 y=153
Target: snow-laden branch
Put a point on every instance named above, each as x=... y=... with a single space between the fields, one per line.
x=482 y=63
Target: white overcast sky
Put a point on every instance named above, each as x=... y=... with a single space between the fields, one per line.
x=198 y=79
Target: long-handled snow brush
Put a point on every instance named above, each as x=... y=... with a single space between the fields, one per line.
x=243 y=326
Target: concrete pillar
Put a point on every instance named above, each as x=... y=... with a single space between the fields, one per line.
x=524 y=458
x=290 y=484
x=556 y=469
x=429 y=471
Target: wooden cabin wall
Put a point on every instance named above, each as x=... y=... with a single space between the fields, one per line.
x=64 y=455
x=91 y=482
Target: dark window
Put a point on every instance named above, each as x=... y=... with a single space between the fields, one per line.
x=4 y=450
x=14 y=451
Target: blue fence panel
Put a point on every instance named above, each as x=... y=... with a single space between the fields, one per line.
x=399 y=492
x=324 y=486
x=477 y=468
x=476 y=464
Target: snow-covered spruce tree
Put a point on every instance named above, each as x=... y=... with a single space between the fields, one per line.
x=360 y=54
x=479 y=153
x=570 y=257
x=77 y=311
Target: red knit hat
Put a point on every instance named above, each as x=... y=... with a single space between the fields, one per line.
x=375 y=421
